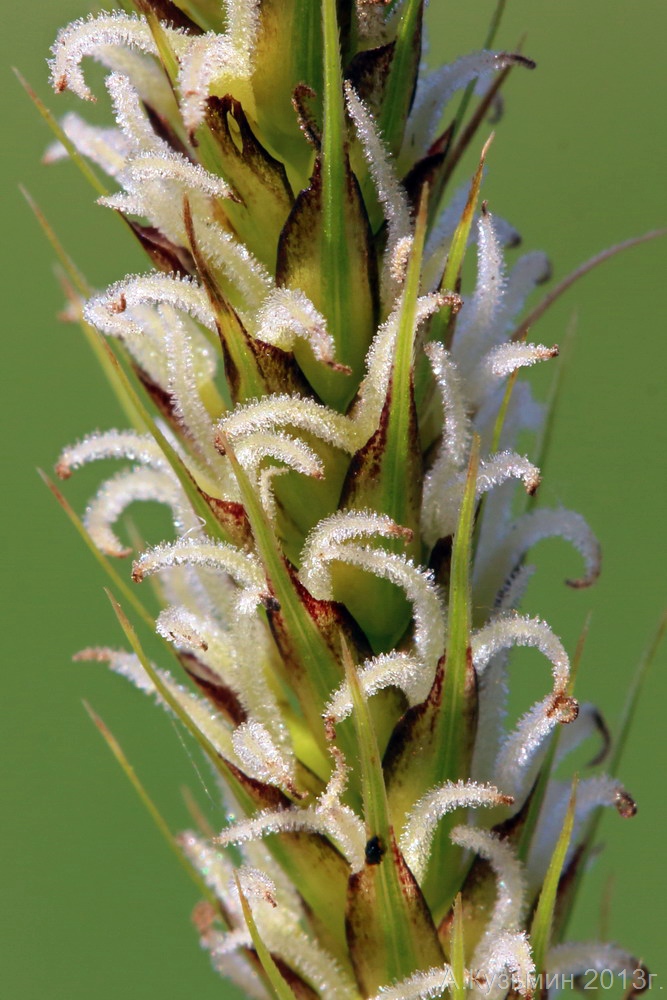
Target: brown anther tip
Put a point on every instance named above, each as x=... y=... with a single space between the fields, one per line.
x=451 y=299
x=524 y=61
x=120 y=305
x=546 y=275
x=565 y=707
x=121 y=553
x=203 y=917
x=330 y=728
x=485 y=207
x=303 y=90
x=137 y=574
x=580 y=583
x=60 y=84
x=625 y=804
x=93 y=654
x=506 y=800
x=532 y=486
x=554 y=351
x=62 y=470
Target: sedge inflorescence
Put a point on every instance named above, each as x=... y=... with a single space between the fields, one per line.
x=332 y=420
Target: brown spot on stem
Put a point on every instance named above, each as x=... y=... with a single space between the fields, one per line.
x=374 y=851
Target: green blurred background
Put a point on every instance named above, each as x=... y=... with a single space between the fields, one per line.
x=93 y=904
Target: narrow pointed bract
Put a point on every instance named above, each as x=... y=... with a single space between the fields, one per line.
x=336 y=423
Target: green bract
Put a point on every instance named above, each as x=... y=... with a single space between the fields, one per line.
x=332 y=420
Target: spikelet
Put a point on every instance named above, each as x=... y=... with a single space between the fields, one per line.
x=335 y=418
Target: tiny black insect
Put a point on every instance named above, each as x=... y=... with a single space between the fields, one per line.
x=374 y=851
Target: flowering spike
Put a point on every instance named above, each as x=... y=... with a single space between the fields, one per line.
x=341 y=424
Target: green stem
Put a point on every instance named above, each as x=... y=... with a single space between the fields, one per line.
x=334 y=180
